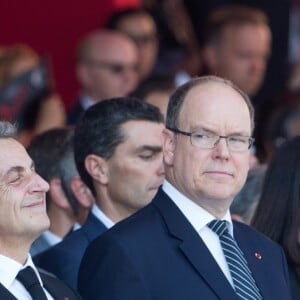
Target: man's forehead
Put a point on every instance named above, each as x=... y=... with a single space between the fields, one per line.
x=210 y=94
x=12 y=153
x=206 y=91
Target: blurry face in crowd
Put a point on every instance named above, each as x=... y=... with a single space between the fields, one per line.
x=242 y=55
x=209 y=177
x=135 y=171
x=142 y=30
x=159 y=99
x=110 y=69
x=22 y=194
x=22 y=65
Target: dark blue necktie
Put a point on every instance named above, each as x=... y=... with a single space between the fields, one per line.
x=30 y=281
x=243 y=281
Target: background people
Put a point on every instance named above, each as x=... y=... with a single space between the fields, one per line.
x=27 y=93
x=237 y=46
x=106 y=67
x=138 y=25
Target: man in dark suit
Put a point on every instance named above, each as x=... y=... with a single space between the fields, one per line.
x=22 y=219
x=167 y=249
x=118 y=153
x=106 y=67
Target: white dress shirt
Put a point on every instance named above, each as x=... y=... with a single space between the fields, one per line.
x=99 y=214
x=51 y=237
x=199 y=218
x=9 y=269
x=86 y=102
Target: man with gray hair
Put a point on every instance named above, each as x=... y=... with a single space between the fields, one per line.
x=23 y=218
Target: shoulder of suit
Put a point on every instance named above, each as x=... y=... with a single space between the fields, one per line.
x=249 y=230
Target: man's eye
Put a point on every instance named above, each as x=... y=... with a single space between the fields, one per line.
x=147 y=155
x=14 y=179
x=238 y=139
x=201 y=136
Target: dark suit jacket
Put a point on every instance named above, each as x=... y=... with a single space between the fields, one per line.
x=64 y=258
x=75 y=113
x=294 y=272
x=56 y=288
x=157 y=254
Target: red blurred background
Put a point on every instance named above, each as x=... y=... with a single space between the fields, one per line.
x=54 y=28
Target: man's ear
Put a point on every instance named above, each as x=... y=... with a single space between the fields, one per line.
x=168 y=146
x=210 y=58
x=97 y=167
x=57 y=194
x=82 y=193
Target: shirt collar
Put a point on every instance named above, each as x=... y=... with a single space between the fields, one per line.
x=86 y=102
x=98 y=213
x=195 y=214
x=10 y=268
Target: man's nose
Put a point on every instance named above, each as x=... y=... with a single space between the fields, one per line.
x=221 y=149
x=39 y=184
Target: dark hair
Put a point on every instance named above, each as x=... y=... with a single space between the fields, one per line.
x=52 y=153
x=177 y=98
x=99 y=131
x=277 y=214
x=231 y=15
x=154 y=84
x=281 y=125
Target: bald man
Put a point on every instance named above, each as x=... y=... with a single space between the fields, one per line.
x=107 y=67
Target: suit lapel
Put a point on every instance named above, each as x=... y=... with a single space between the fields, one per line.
x=57 y=289
x=5 y=294
x=193 y=248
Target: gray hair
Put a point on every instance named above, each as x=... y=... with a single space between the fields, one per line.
x=7 y=130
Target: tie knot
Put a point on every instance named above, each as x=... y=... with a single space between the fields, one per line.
x=31 y=283
x=218 y=226
x=28 y=277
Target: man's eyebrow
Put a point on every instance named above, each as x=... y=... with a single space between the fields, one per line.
x=150 y=148
x=211 y=131
x=18 y=169
x=15 y=169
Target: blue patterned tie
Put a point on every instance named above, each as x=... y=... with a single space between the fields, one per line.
x=243 y=281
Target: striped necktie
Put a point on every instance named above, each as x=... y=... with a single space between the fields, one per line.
x=243 y=281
